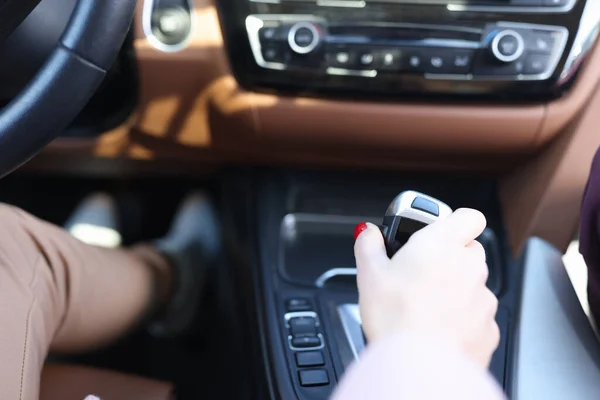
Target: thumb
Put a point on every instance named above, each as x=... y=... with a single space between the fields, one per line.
x=369 y=251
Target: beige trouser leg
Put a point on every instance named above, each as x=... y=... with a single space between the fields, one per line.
x=59 y=294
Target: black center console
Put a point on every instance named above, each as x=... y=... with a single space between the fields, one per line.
x=493 y=48
x=304 y=308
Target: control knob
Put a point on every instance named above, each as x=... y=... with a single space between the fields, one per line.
x=508 y=46
x=304 y=37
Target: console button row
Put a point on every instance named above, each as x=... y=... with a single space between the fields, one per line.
x=428 y=60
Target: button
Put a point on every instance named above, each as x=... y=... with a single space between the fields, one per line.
x=461 y=61
x=341 y=58
x=305 y=342
x=303 y=326
x=294 y=305
x=304 y=37
x=508 y=45
x=542 y=43
x=272 y=53
x=556 y=3
x=414 y=61
x=389 y=60
x=536 y=64
x=366 y=59
x=309 y=359
x=426 y=205
x=313 y=377
x=438 y=61
x=269 y=34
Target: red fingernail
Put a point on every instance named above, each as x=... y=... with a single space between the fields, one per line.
x=360 y=228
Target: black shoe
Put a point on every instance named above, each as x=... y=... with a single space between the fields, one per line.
x=96 y=221
x=192 y=246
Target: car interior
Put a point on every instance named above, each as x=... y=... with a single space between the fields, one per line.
x=302 y=118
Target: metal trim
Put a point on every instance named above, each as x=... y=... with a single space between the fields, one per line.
x=332 y=273
x=589 y=27
x=349 y=315
x=154 y=41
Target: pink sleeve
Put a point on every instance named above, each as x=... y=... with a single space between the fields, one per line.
x=409 y=367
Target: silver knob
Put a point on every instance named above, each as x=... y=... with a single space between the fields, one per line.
x=508 y=46
x=304 y=37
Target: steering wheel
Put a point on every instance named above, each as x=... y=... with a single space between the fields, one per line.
x=68 y=79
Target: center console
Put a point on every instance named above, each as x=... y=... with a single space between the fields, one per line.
x=516 y=49
x=305 y=311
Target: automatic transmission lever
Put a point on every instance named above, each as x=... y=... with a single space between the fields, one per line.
x=407 y=213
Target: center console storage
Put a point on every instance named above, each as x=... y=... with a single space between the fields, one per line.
x=502 y=48
x=306 y=308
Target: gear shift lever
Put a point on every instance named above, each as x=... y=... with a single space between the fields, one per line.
x=407 y=213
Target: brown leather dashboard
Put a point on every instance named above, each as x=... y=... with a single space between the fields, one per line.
x=192 y=110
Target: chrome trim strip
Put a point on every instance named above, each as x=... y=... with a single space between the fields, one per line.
x=451 y=7
x=512 y=9
x=332 y=273
x=300 y=314
x=589 y=26
x=342 y=3
x=352 y=325
x=153 y=40
x=351 y=72
x=322 y=345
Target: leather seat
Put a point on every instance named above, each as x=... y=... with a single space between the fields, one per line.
x=69 y=382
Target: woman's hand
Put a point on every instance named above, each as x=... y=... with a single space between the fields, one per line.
x=435 y=286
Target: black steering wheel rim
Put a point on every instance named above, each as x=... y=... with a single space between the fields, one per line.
x=66 y=82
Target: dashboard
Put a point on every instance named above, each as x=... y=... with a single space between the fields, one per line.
x=505 y=89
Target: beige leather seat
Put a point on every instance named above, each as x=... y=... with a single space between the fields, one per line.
x=69 y=382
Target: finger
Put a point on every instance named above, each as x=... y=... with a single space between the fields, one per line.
x=477 y=249
x=480 y=267
x=462 y=226
x=369 y=251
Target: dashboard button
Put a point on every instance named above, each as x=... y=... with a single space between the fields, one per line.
x=309 y=359
x=414 y=61
x=341 y=58
x=303 y=326
x=313 y=377
x=508 y=45
x=300 y=304
x=461 y=61
x=305 y=342
x=304 y=37
x=389 y=60
x=536 y=64
x=270 y=34
x=442 y=61
x=542 y=43
x=366 y=60
x=273 y=53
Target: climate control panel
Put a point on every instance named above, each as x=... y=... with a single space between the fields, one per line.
x=496 y=51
